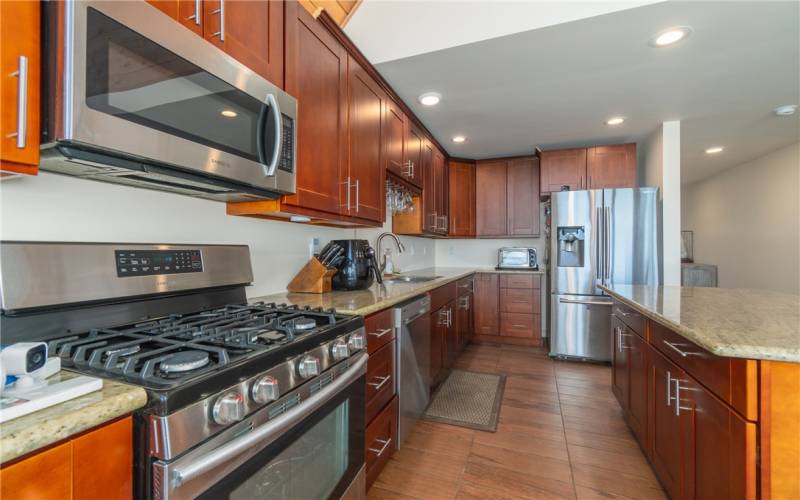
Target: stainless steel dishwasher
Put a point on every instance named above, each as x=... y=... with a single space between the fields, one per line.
x=413 y=332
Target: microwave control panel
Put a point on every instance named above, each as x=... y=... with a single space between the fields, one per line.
x=286 y=161
x=153 y=262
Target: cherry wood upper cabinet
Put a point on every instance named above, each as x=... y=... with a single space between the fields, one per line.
x=251 y=32
x=365 y=168
x=565 y=167
x=611 y=166
x=316 y=74
x=19 y=87
x=429 y=217
x=394 y=137
x=523 y=197
x=187 y=12
x=413 y=149
x=490 y=198
x=487 y=311
x=440 y=183
x=461 y=195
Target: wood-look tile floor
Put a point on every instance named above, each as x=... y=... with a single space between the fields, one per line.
x=560 y=435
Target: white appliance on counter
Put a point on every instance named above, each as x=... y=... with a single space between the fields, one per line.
x=598 y=237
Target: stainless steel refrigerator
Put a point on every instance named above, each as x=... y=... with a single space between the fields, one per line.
x=603 y=236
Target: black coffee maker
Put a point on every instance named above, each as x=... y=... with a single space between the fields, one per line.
x=358 y=268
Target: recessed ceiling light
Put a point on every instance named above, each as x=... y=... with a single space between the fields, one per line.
x=671 y=36
x=787 y=110
x=430 y=98
x=228 y=113
x=714 y=150
x=617 y=120
x=459 y=138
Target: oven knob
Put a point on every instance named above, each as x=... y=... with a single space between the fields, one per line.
x=356 y=341
x=339 y=350
x=229 y=408
x=265 y=389
x=308 y=366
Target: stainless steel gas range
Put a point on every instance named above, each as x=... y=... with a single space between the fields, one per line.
x=244 y=400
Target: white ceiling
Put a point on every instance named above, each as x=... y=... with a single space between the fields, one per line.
x=555 y=86
x=386 y=30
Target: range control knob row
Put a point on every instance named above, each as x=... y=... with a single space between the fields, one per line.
x=357 y=342
x=265 y=389
x=339 y=350
x=229 y=408
x=308 y=366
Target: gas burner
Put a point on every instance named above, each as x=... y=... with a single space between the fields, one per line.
x=184 y=361
x=303 y=324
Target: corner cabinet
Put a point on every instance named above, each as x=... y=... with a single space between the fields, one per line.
x=507 y=198
x=597 y=167
x=461 y=199
x=20 y=63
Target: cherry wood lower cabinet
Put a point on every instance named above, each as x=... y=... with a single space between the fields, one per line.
x=487 y=298
x=96 y=464
x=712 y=427
x=380 y=440
x=508 y=308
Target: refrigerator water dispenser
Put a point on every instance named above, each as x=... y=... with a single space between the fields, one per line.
x=570 y=246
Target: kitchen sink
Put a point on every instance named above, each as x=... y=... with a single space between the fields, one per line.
x=410 y=279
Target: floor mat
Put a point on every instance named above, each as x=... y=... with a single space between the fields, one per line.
x=468 y=399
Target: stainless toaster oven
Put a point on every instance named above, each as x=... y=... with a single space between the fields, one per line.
x=517 y=258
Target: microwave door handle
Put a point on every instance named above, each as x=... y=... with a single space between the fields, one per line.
x=275 y=111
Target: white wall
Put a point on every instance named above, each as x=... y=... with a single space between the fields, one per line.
x=746 y=220
x=467 y=253
x=661 y=167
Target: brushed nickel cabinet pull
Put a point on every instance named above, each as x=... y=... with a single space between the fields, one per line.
x=22 y=102
x=380 y=333
x=383 y=381
x=385 y=443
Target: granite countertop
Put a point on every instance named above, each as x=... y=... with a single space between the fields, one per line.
x=732 y=322
x=379 y=297
x=36 y=430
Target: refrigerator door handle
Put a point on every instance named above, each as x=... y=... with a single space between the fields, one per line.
x=607 y=239
x=599 y=244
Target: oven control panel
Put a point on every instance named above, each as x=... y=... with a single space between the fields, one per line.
x=152 y=262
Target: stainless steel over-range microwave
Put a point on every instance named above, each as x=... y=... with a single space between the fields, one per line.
x=135 y=98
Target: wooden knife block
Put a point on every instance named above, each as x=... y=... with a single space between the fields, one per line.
x=313 y=278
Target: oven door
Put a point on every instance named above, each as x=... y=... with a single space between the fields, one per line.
x=314 y=450
x=137 y=83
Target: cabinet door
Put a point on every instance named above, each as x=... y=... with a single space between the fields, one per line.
x=523 y=197
x=611 y=166
x=365 y=102
x=430 y=220
x=490 y=198
x=316 y=74
x=665 y=427
x=565 y=167
x=102 y=462
x=463 y=320
x=251 y=32
x=43 y=476
x=720 y=445
x=620 y=369
x=461 y=199
x=440 y=183
x=451 y=342
x=438 y=336
x=19 y=89
x=394 y=137
x=637 y=387
x=187 y=12
x=486 y=295
x=414 y=144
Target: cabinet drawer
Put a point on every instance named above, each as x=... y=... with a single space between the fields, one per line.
x=519 y=300
x=442 y=295
x=380 y=379
x=380 y=329
x=380 y=441
x=466 y=285
x=732 y=380
x=520 y=281
x=519 y=325
x=632 y=318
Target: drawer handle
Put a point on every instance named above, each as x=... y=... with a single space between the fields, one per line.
x=520 y=326
x=674 y=347
x=385 y=443
x=383 y=381
x=380 y=333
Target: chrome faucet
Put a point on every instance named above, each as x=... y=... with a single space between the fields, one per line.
x=400 y=247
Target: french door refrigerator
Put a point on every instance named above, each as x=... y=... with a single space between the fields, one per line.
x=598 y=237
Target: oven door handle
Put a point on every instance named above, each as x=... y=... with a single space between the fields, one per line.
x=268 y=432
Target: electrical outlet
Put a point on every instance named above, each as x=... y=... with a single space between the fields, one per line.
x=313 y=247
